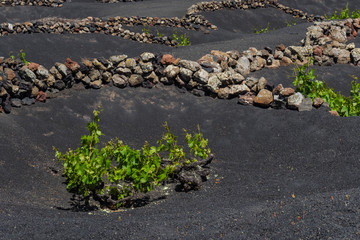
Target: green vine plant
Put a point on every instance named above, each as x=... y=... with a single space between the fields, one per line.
x=306 y=83
x=11 y=55
x=116 y=174
x=344 y=14
x=158 y=34
x=182 y=40
x=145 y=30
x=290 y=24
x=21 y=56
x=264 y=30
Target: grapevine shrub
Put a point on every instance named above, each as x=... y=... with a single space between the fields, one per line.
x=116 y=173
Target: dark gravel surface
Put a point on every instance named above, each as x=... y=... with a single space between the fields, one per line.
x=278 y=174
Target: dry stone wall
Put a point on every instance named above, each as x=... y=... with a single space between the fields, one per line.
x=45 y=3
x=114 y=25
x=217 y=74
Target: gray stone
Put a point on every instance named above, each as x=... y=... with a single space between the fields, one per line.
x=123 y=71
x=42 y=72
x=137 y=70
x=171 y=71
x=243 y=66
x=94 y=75
x=262 y=83
x=236 y=78
x=223 y=93
x=201 y=76
x=305 y=105
x=86 y=80
x=294 y=101
x=239 y=89
x=130 y=63
x=120 y=81
x=27 y=101
x=99 y=65
x=55 y=73
x=27 y=74
x=313 y=33
x=61 y=68
x=337 y=33
x=185 y=74
x=213 y=83
x=166 y=81
x=248 y=54
x=355 y=54
x=343 y=57
x=301 y=52
x=147 y=56
x=146 y=67
x=15 y=102
x=234 y=54
x=350 y=46
x=79 y=75
x=96 y=84
x=191 y=65
x=251 y=81
x=279 y=102
x=225 y=78
x=135 y=80
x=117 y=59
x=60 y=85
x=106 y=77
x=152 y=77
x=40 y=84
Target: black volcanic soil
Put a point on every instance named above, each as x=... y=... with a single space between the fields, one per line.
x=278 y=174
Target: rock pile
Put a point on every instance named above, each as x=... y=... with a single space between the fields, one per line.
x=249 y=4
x=219 y=74
x=328 y=41
x=46 y=3
x=111 y=26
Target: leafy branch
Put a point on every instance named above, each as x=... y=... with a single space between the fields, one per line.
x=115 y=174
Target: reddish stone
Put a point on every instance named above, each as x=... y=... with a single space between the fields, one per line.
x=334 y=113
x=10 y=74
x=286 y=92
x=285 y=61
x=277 y=89
x=247 y=99
x=264 y=98
x=280 y=47
x=318 y=102
x=1 y=109
x=33 y=66
x=176 y=62
x=87 y=63
x=72 y=65
x=354 y=33
x=318 y=51
x=41 y=97
x=167 y=59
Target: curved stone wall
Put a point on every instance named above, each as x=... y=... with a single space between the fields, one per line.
x=217 y=74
